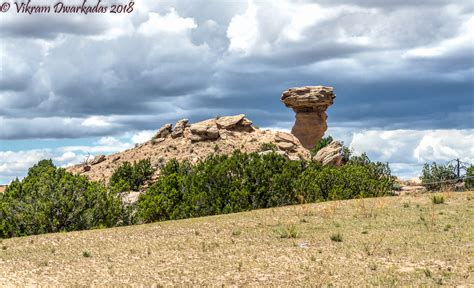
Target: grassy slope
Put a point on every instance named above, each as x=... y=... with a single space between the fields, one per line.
x=385 y=241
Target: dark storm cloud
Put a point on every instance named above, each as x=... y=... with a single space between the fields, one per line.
x=140 y=79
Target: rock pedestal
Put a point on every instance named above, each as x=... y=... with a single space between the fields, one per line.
x=310 y=104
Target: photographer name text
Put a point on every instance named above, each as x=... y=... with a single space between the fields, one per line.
x=87 y=7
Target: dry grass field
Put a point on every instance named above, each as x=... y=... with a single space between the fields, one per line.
x=393 y=241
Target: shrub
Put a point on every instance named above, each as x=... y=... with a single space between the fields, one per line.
x=470 y=181
x=433 y=174
x=437 y=199
x=49 y=199
x=268 y=147
x=336 y=237
x=240 y=182
x=288 y=231
x=130 y=177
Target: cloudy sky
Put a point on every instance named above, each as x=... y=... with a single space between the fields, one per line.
x=403 y=72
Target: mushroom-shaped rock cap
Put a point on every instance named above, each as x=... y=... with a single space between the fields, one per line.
x=310 y=104
x=308 y=98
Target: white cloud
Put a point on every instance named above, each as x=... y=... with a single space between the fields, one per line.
x=465 y=40
x=170 y=23
x=95 y=121
x=243 y=30
x=66 y=156
x=143 y=136
x=408 y=150
x=15 y=164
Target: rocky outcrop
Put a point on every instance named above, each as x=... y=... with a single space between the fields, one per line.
x=310 y=104
x=195 y=142
x=203 y=131
x=164 y=131
x=179 y=128
x=286 y=141
x=220 y=127
x=237 y=122
x=98 y=159
x=330 y=155
x=229 y=122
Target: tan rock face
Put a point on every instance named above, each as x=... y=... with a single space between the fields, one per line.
x=97 y=159
x=310 y=104
x=179 y=128
x=330 y=155
x=164 y=131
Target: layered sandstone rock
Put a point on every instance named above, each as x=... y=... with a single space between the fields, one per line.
x=195 y=142
x=204 y=131
x=330 y=155
x=164 y=131
x=98 y=159
x=179 y=128
x=310 y=104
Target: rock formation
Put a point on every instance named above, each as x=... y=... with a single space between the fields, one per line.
x=194 y=142
x=98 y=159
x=179 y=128
x=204 y=131
x=330 y=155
x=310 y=104
x=164 y=131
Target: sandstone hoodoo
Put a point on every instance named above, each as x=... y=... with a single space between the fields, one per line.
x=310 y=104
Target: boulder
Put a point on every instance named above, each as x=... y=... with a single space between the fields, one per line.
x=203 y=131
x=98 y=159
x=229 y=122
x=293 y=158
x=286 y=146
x=245 y=123
x=330 y=155
x=164 y=131
x=179 y=128
x=310 y=104
x=234 y=123
x=285 y=137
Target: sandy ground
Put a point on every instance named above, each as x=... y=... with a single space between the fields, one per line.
x=384 y=241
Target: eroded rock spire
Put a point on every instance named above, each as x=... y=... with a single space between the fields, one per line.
x=310 y=104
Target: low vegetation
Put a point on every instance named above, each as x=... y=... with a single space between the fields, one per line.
x=242 y=182
x=470 y=177
x=436 y=176
x=50 y=199
x=130 y=177
x=437 y=199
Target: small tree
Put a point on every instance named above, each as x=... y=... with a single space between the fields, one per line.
x=470 y=181
x=435 y=175
x=131 y=176
x=321 y=144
